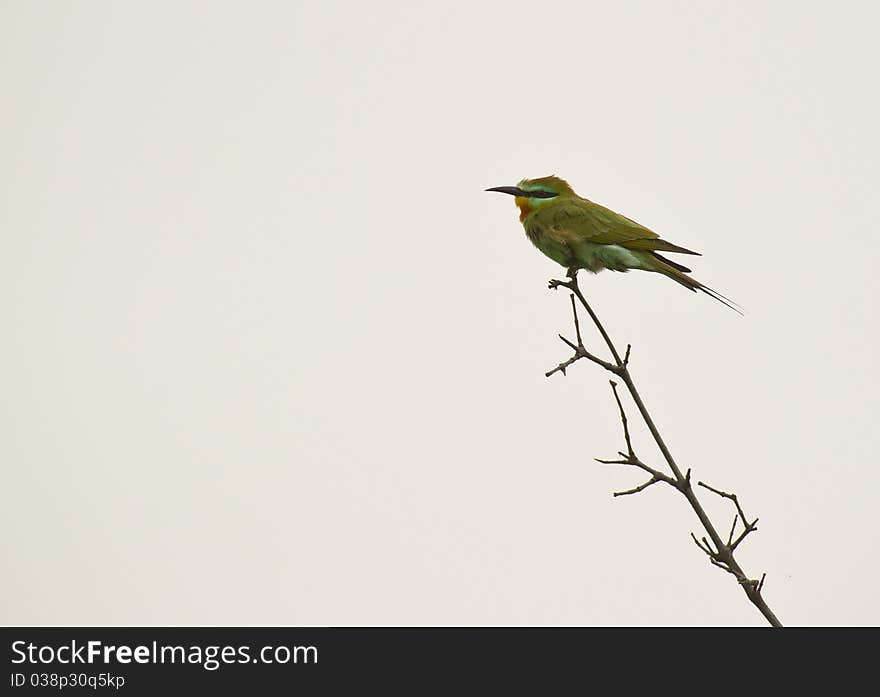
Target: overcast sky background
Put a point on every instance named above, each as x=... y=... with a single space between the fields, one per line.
x=272 y=356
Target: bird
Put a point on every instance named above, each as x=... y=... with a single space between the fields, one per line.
x=580 y=234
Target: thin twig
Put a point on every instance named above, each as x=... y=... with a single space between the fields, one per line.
x=636 y=490
x=580 y=351
x=630 y=458
x=626 y=437
x=748 y=527
x=577 y=325
x=725 y=495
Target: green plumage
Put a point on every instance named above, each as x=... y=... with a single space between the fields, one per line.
x=580 y=234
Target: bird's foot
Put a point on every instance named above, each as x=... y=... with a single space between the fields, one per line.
x=571 y=274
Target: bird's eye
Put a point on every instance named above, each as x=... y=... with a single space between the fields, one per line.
x=542 y=194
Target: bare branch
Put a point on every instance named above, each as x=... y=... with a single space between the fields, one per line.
x=711 y=544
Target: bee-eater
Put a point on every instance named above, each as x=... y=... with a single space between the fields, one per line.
x=580 y=234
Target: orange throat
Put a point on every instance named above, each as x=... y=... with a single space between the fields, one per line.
x=524 y=209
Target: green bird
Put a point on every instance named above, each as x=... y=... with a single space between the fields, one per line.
x=580 y=234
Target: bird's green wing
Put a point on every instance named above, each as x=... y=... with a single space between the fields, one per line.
x=591 y=222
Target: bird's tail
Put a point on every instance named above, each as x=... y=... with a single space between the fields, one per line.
x=678 y=273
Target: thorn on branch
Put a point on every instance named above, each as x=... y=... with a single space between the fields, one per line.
x=706 y=550
x=732 y=528
x=561 y=368
x=684 y=483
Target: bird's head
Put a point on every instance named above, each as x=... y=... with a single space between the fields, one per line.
x=531 y=194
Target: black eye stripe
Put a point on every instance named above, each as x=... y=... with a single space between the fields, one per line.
x=541 y=194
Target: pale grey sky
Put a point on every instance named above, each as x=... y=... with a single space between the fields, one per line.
x=273 y=357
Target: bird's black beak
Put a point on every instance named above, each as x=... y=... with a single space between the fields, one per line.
x=512 y=190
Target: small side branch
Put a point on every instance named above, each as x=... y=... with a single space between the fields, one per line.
x=636 y=490
x=740 y=516
x=580 y=351
x=630 y=458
